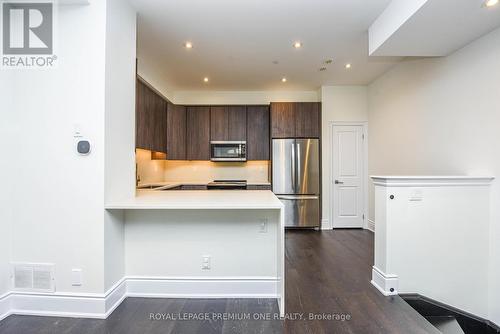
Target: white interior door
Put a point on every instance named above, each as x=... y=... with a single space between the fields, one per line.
x=347 y=176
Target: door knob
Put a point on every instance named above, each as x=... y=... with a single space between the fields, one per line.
x=338 y=182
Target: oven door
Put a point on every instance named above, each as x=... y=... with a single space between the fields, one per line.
x=228 y=151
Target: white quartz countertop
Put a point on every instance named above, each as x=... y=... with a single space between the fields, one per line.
x=199 y=199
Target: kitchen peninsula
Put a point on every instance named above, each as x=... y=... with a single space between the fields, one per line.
x=203 y=244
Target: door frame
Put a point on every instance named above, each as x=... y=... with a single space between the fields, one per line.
x=364 y=125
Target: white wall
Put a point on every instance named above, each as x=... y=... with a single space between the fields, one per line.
x=243 y=97
x=119 y=129
x=171 y=243
x=437 y=246
x=57 y=195
x=7 y=130
x=339 y=103
x=442 y=116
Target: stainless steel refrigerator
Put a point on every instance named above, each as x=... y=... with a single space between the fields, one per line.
x=296 y=175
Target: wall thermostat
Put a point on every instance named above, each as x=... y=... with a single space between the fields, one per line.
x=83 y=147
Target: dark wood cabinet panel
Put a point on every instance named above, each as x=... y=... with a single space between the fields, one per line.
x=159 y=110
x=228 y=123
x=258 y=142
x=307 y=119
x=198 y=133
x=194 y=187
x=237 y=123
x=283 y=120
x=141 y=119
x=219 y=123
x=296 y=120
x=151 y=119
x=176 y=132
x=259 y=187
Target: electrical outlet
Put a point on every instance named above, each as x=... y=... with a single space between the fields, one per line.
x=76 y=277
x=205 y=264
x=263 y=225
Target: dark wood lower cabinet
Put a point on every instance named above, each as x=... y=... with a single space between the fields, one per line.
x=198 y=133
x=259 y=187
x=258 y=143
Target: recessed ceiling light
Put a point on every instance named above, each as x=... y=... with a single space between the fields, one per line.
x=188 y=45
x=348 y=66
x=297 y=45
x=205 y=79
x=491 y=3
x=283 y=79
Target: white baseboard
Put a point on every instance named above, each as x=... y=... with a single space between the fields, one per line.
x=5 y=308
x=74 y=305
x=370 y=225
x=100 y=306
x=207 y=287
x=325 y=224
x=385 y=283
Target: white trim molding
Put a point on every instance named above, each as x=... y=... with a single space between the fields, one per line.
x=430 y=181
x=370 y=225
x=325 y=224
x=5 y=308
x=100 y=306
x=385 y=283
x=203 y=287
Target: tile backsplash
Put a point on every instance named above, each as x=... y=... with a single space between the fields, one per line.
x=253 y=171
x=198 y=171
x=148 y=170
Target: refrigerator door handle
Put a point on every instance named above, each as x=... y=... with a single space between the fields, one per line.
x=292 y=161
x=300 y=197
x=299 y=185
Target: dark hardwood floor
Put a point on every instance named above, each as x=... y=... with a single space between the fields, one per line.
x=327 y=274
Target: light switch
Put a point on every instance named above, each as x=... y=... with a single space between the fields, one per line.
x=76 y=277
x=205 y=265
x=416 y=195
x=263 y=225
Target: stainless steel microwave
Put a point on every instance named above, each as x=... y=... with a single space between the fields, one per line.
x=228 y=151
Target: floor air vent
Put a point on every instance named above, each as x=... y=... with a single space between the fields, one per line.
x=33 y=277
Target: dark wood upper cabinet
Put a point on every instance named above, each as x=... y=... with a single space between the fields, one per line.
x=228 y=123
x=307 y=119
x=143 y=129
x=160 y=124
x=283 y=120
x=219 y=123
x=176 y=132
x=237 y=123
x=258 y=133
x=198 y=133
x=151 y=119
x=296 y=120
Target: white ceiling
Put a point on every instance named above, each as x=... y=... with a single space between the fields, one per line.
x=236 y=41
x=432 y=27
